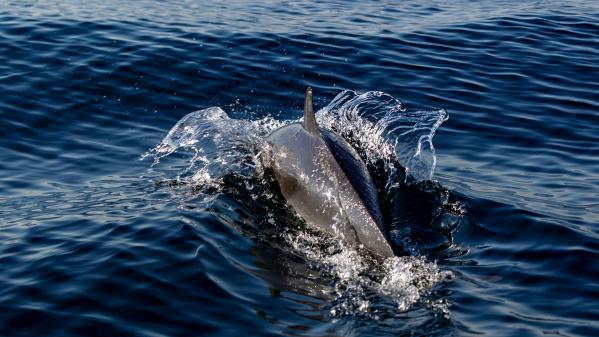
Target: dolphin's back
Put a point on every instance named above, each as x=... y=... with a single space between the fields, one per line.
x=327 y=184
x=357 y=174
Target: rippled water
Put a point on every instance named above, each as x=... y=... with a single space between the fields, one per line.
x=503 y=241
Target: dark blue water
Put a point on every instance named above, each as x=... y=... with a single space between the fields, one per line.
x=504 y=241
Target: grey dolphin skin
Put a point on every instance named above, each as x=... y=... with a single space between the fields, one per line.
x=327 y=184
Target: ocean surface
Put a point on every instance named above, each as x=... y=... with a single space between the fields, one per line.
x=136 y=200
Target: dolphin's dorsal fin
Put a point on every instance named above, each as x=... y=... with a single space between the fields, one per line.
x=309 y=117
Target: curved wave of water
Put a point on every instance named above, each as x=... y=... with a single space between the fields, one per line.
x=379 y=125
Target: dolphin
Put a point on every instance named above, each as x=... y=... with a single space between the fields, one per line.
x=327 y=184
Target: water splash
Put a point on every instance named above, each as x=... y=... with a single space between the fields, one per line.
x=217 y=144
x=379 y=125
x=211 y=145
x=362 y=282
x=376 y=123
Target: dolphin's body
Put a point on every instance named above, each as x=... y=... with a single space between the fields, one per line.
x=327 y=183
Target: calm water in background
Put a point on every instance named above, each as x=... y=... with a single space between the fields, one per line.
x=93 y=245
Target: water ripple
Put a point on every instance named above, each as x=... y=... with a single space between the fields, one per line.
x=96 y=241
